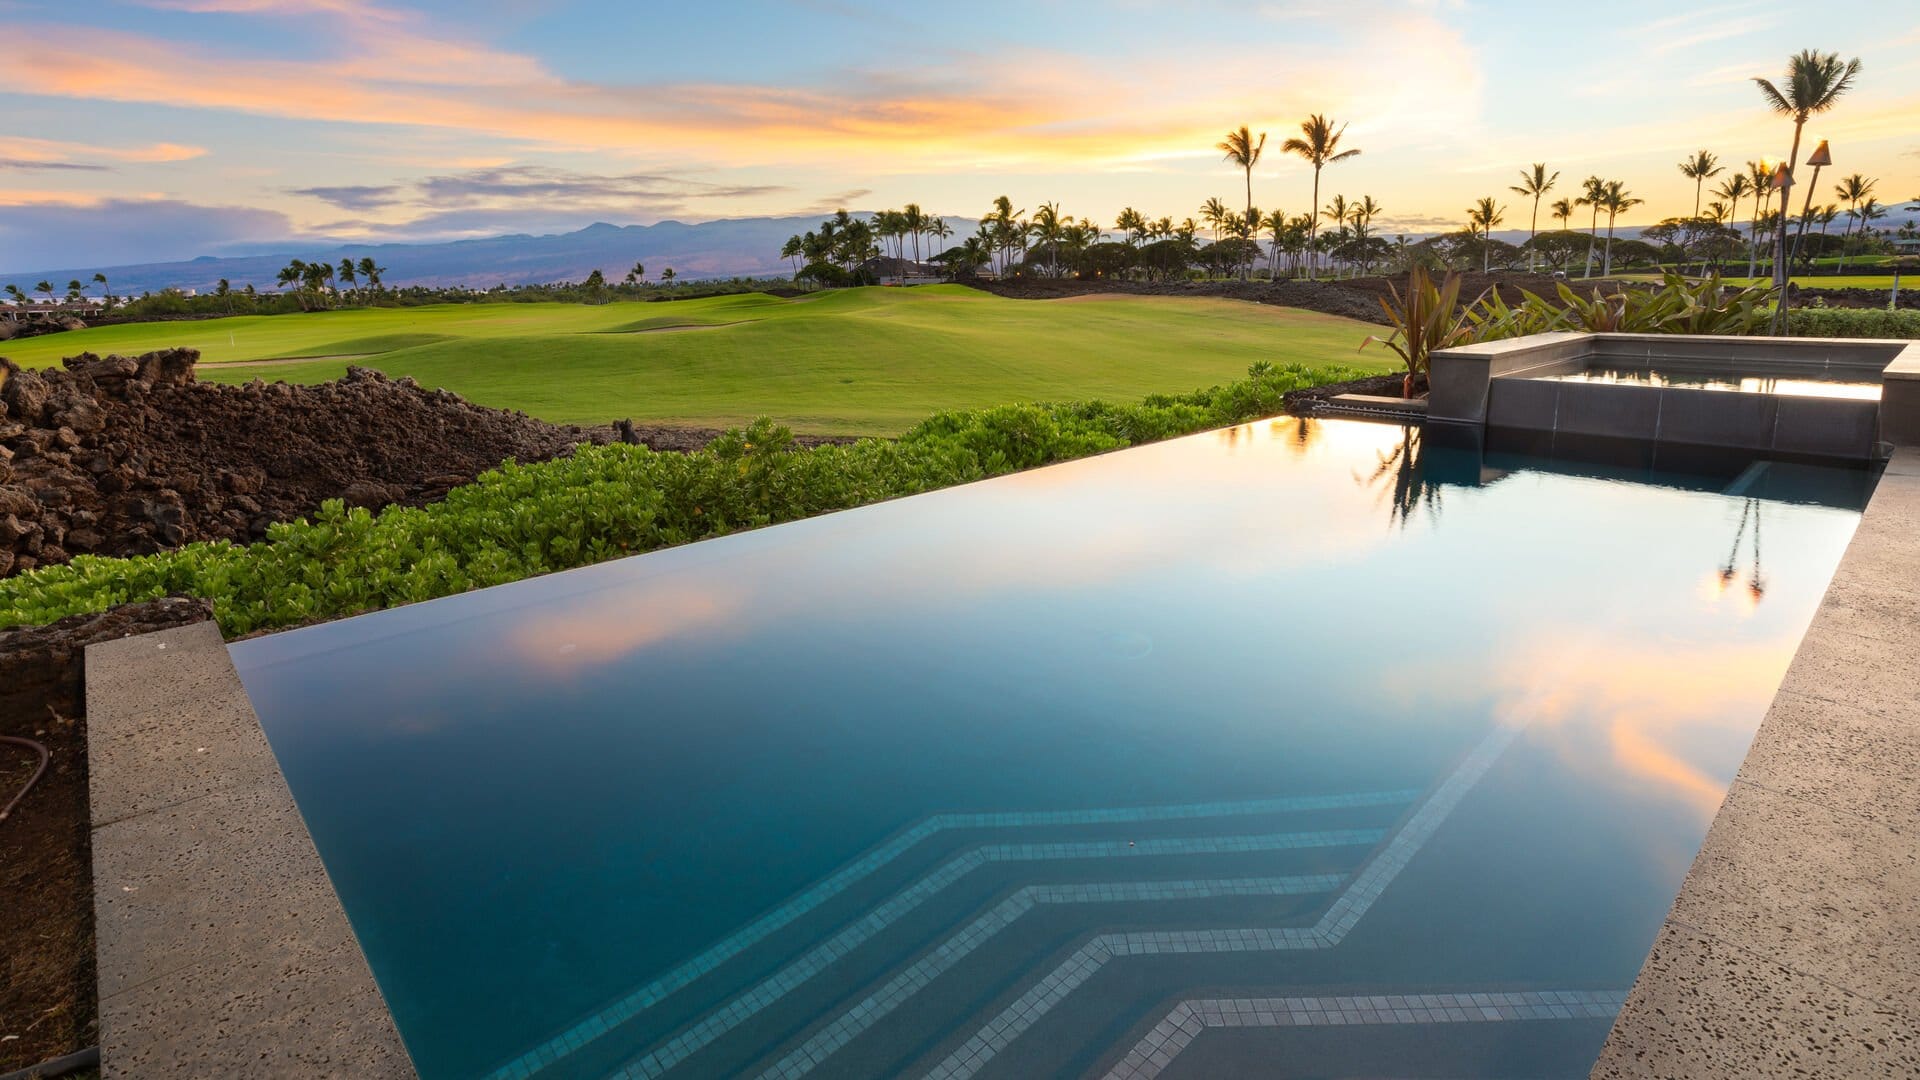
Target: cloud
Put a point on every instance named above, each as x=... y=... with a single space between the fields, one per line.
x=516 y=183
x=52 y=230
x=21 y=152
x=73 y=166
x=353 y=196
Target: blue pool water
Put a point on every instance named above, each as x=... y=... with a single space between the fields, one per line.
x=1299 y=748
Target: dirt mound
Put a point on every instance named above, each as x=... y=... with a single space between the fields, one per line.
x=1353 y=298
x=1859 y=298
x=46 y=940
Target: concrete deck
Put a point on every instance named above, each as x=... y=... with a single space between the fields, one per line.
x=1793 y=949
x=222 y=948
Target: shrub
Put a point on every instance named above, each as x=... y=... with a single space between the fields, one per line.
x=1854 y=322
x=1679 y=306
x=606 y=501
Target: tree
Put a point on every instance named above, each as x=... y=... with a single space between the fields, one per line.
x=372 y=272
x=939 y=229
x=1132 y=225
x=790 y=251
x=1319 y=144
x=1562 y=211
x=1215 y=214
x=1485 y=216
x=75 y=291
x=639 y=272
x=595 y=287
x=45 y=287
x=1593 y=192
x=1616 y=198
x=1534 y=183
x=105 y=293
x=1048 y=229
x=1814 y=83
x=19 y=298
x=666 y=277
x=348 y=275
x=1244 y=150
x=1700 y=168
x=1852 y=191
x=1733 y=189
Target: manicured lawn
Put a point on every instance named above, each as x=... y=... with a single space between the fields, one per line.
x=862 y=361
x=1821 y=281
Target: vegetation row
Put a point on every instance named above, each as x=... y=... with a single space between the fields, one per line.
x=607 y=501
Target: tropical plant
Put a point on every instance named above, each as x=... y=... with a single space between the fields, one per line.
x=105 y=293
x=1814 y=83
x=1593 y=193
x=1484 y=216
x=1243 y=149
x=1616 y=199
x=1562 y=211
x=1851 y=190
x=1700 y=168
x=1319 y=144
x=1425 y=320
x=1535 y=183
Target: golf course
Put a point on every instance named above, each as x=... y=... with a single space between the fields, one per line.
x=866 y=361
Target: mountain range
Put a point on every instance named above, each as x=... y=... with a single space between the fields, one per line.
x=742 y=247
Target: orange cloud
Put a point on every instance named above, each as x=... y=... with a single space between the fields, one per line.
x=21 y=148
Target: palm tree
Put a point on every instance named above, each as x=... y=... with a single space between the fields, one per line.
x=1243 y=150
x=1733 y=189
x=1534 y=183
x=1761 y=177
x=1048 y=230
x=75 y=291
x=19 y=298
x=1853 y=190
x=1700 y=168
x=1814 y=83
x=1275 y=224
x=791 y=251
x=939 y=229
x=666 y=276
x=347 y=273
x=1216 y=215
x=1617 y=198
x=1593 y=192
x=45 y=287
x=1320 y=147
x=106 y=293
x=1485 y=215
x=371 y=272
x=1562 y=211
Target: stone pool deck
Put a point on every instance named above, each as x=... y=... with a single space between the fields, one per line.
x=222 y=948
x=1793 y=949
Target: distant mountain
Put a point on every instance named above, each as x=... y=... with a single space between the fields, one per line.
x=744 y=247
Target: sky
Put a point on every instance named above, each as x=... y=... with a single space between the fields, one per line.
x=141 y=130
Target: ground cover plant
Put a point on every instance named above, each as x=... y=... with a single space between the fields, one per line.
x=854 y=362
x=606 y=501
x=1854 y=322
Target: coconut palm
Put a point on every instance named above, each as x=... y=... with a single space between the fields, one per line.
x=666 y=276
x=1814 y=83
x=1852 y=191
x=19 y=298
x=1275 y=225
x=1593 y=192
x=1617 y=199
x=106 y=293
x=1733 y=189
x=1534 y=183
x=1244 y=150
x=639 y=272
x=791 y=251
x=45 y=287
x=1215 y=214
x=1048 y=228
x=1319 y=144
x=348 y=274
x=939 y=229
x=371 y=272
x=1700 y=168
x=1484 y=216
x=1562 y=211
x=1761 y=177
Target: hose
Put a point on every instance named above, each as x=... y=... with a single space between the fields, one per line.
x=60 y=1066
x=31 y=780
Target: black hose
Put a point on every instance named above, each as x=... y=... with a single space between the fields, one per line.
x=60 y=1066
x=31 y=780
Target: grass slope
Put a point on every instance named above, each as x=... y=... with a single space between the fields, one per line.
x=859 y=361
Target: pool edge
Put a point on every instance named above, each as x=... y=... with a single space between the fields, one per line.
x=221 y=946
x=1788 y=947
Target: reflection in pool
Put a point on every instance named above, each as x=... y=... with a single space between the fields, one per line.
x=1304 y=746
x=1811 y=383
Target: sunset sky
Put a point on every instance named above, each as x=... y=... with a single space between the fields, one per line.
x=146 y=129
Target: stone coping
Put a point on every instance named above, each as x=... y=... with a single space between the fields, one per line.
x=1793 y=949
x=222 y=948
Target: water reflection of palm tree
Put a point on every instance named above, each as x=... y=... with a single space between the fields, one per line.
x=1408 y=489
x=1756 y=583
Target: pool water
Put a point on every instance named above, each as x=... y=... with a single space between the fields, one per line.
x=1298 y=748
x=1801 y=383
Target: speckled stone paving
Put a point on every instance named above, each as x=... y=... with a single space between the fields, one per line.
x=1793 y=949
x=222 y=948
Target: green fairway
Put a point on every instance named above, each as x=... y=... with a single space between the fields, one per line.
x=859 y=361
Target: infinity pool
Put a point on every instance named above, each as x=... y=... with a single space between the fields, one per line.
x=1298 y=748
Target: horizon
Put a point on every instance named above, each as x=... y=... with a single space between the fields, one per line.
x=173 y=134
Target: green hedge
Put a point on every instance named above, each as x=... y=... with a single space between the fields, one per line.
x=606 y=501
x=1854 y=322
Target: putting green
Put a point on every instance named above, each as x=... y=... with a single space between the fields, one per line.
x=857 y=361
